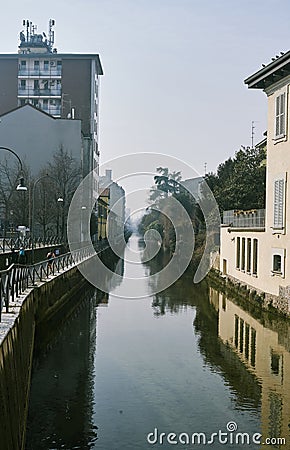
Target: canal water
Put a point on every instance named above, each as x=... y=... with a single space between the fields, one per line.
x=187 y=362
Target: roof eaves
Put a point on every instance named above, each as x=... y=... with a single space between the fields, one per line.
x=261 y=75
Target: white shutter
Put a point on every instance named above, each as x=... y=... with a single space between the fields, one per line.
x=278 y=203
x=277 y=114
x=280 y=115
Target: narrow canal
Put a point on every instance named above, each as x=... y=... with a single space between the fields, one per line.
x=185 y=361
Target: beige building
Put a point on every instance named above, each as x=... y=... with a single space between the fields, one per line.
x=265 y=353
x=255 y=245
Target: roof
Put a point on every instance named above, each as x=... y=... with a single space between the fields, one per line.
x=28 y=105
x=48 y=55
x=278 y=69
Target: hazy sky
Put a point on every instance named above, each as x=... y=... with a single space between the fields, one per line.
x=174 y=69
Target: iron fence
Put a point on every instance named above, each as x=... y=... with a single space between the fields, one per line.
x=17 y=278
x=8 y=244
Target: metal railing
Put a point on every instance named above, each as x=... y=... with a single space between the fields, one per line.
x=17 y=278
x=39 y=92
x=46 y=71
x=8 y=244
x=253 y=218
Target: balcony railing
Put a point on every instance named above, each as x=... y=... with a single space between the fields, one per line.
x=53 y=110
x=253 y=218
x=37 y=73
x=39 y=92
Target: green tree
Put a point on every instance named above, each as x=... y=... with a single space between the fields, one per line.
x=240 y=183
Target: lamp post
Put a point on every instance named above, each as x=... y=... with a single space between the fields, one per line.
x=60 y=199
x=20 y=186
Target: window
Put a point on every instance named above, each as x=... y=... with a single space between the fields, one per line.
x=278 y=257
x=241 y=335
x=45 y=104
x=255 y=256
x=238 y=253
x=36 y=65
x=275 y=363
x=249 y=255
x=253 y=347
x=277 y=263
x=279 y=187
x=243 y=253
x=280 y=115
x=46 y=65
x=23 y=84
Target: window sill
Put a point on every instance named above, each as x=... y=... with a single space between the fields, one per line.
x=278 y=230
x=278 y=139
x=277 y=274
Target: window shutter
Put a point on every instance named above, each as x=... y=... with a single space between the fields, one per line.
x=280 y=115
x=278 y=203
x=277 y=116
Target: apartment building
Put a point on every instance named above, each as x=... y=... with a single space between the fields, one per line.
x=255 y=244
x=116 y=203
x=64 y=85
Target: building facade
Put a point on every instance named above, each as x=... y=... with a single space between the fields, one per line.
x=116 y=204
x=265 y=353
x=64 y=85
x=36 y=136
x=255 y=245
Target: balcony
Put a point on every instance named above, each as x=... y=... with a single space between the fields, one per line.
x=50 y=72
x=253 y=218
x=39 y=92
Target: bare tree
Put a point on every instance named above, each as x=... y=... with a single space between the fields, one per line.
x=13 y=203
x=64 y=175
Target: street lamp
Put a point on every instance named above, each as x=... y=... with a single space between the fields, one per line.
x=60 y=199
x=21 y=186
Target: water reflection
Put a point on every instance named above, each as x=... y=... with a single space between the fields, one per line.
x=265 y=352
x=61 y=400
x=184 y=360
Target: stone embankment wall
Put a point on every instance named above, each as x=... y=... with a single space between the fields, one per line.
x=280 y=304
x=48 y=303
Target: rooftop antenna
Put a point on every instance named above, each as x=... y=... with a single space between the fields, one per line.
x=27 y=25
x=253 y=133
x=50 y=33
x=205 y=165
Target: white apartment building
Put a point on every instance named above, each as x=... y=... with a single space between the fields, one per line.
x=255 y=245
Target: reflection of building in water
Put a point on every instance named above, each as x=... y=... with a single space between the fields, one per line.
x=265 y=354
x=61 y=400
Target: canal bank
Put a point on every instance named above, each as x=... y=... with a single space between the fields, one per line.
x=32 y=316
x=42 y=304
